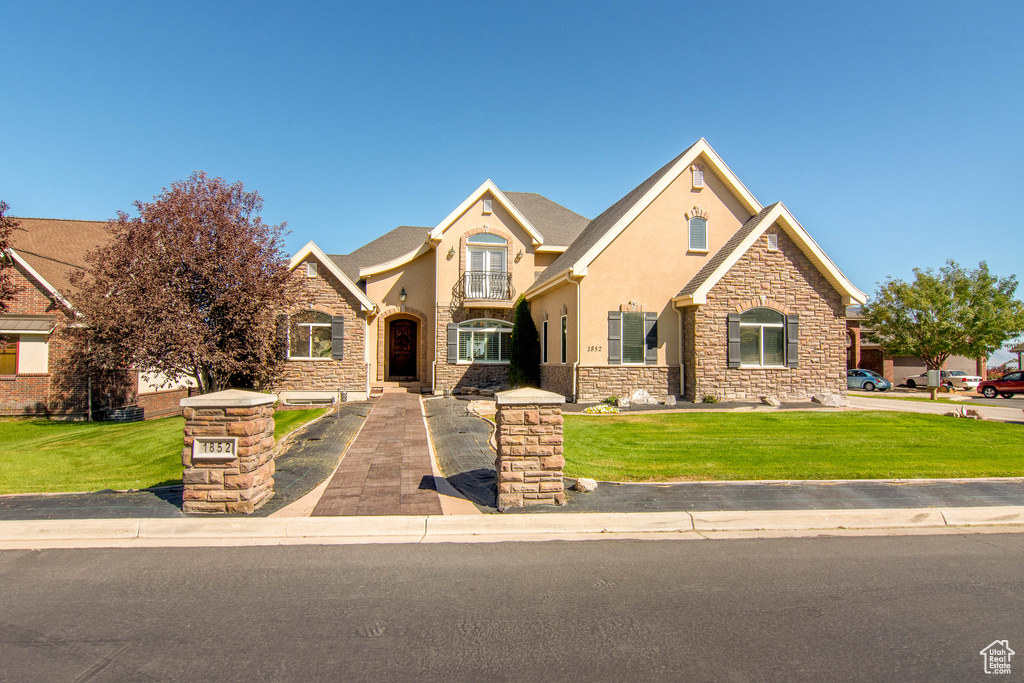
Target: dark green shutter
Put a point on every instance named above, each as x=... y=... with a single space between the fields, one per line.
x=793 y=341
x=453 y=343
x=337 y=337
x=281 y=337
x=651 y=338
x=734 y=340
x=614 y=338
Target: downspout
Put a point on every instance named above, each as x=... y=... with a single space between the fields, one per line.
x=679 y=331
x=579 y=345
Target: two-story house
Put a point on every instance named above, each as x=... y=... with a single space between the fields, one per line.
x=685 y=286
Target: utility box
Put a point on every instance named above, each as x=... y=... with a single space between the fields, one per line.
x=934 y=378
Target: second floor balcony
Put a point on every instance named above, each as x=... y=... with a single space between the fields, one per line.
x=477 y=287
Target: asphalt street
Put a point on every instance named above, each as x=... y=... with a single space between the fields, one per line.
x=907 y=608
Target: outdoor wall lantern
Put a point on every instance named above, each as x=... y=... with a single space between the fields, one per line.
x=401 y=295
x=451 y=253
x=519 y=256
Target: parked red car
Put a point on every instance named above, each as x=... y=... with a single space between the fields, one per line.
x=1006 y=386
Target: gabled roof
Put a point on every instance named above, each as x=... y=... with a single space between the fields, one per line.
x=487 y=187
x=696 y=290
x=312 y=249
x=601 y=231
x=546 y=222
x=50 y=248
x=389 y=246
x=559 y=226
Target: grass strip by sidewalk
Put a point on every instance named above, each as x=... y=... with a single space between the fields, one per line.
x=42 y=456
x=796 y=445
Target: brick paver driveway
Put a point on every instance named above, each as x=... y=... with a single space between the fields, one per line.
x=387 y=470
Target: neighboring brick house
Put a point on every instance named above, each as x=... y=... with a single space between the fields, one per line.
x=869 y=355
x=686 y=286
x=43 y=253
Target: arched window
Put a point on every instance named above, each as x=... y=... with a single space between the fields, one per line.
x=698 y=234
x=309 y=335
x=485 y=341
x=763 y=338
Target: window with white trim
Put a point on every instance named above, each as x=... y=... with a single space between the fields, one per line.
x=310 y=268
x=762 y=338
x=544 y=342
x=773 y=241
x=309 y=335
x=8 y=354
x=485 y=341
x=698 y=234
x=565 y=339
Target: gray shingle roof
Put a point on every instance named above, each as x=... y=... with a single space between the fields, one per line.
x=390 y=245
x=723 y=254
x=600 y=226
x=558 y=225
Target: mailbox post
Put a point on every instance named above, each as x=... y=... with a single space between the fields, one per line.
x=934 y=381
x=228 y=451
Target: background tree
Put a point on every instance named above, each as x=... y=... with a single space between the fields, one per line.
x=190 y=287
x=524 y=356
x=953 y=312
x=7 y=287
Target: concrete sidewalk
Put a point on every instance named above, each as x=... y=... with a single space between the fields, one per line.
x=129 y=533
x=996 y=413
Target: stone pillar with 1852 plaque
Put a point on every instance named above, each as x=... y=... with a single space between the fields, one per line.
x=229 y=451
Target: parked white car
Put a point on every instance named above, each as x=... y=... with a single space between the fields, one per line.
x=957 y=378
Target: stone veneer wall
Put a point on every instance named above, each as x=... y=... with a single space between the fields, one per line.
x=598 y=382
x=239 y=485
x=326 y=294
x=784 y=280
x=530 y=459
x=557 y=378
x=457 y=375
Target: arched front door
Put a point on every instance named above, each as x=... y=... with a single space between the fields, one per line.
x=402 y=350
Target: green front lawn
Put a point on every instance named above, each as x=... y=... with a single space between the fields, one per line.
x=797 y=445
x=44 y=456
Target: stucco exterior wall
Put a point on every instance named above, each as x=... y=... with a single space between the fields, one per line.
x=474 y=220
x=784 y=280
x=650 y=262
x=326 y=294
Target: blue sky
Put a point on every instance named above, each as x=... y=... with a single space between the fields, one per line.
x=893 y=131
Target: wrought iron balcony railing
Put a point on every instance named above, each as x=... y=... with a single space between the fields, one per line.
x=483 y=286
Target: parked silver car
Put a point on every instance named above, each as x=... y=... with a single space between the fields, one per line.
x=958 y=379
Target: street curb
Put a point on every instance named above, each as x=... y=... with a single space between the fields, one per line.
x=473 y=528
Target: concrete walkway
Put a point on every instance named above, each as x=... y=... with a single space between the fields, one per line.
x=388 y=469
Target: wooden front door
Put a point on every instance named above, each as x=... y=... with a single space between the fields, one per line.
x=402 y=349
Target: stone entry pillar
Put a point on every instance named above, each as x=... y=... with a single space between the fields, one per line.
x=529 y=438
x=229 y=451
